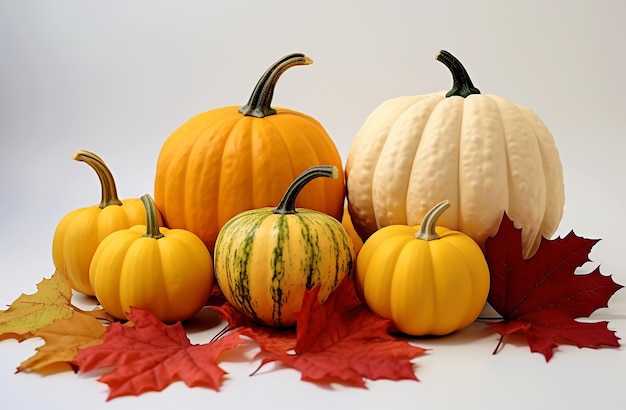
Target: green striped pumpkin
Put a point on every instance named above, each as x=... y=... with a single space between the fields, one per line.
x=266 y=258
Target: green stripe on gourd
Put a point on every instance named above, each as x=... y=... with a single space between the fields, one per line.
x=238 y=250
x=265 y=259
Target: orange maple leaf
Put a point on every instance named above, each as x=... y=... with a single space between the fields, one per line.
x=149 y=355
x=63 y=338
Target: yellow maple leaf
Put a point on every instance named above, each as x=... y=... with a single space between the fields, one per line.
x=52 y=301
x=63 y=338
x=31 y=312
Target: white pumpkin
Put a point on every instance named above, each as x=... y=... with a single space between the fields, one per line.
x=486 y=154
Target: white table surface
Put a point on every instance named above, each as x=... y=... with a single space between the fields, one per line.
x=118 y=77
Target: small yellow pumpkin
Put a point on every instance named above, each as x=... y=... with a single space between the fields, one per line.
x=484 y=153
x=166 y=271
x=80 y=231
x=231 y=159
x=266 y=258
x=427 y=279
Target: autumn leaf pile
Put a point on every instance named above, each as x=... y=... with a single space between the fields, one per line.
x=339 y=341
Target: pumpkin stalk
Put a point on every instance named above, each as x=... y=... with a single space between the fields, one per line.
x=427 y=230
x=462 y=84
x=152 y=221
x=107 y=183
x=259 y=104
x=287 y=205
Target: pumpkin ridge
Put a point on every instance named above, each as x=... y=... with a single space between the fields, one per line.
x=389 y=163
x=155 y=294
x=483 y=168
x=535 y=139
x=520 y=199
x=458 y=203
x=105 y=292
x=165 y=168
x=462 y=274
x=506 y=156
x=553 y=211
x=405 y=257
x=431 y=161
x=287 y=160
x=225 y=132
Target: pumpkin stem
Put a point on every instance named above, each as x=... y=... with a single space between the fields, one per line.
x=427 y=230
x=287 y=205
x=462 y=84
x=107 y=183
x=152 y=220
x=259 y=104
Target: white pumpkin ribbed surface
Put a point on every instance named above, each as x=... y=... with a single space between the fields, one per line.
x=483 y=153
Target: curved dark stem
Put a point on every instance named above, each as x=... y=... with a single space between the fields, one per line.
x=488 y=319
x=499 y=346
x=221 y=333
x=462 y=84
x=259 y=104
x=287 y=205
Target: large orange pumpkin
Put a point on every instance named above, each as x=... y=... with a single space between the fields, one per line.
x=231 y=159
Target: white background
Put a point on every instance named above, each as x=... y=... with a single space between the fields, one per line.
x=117 y=77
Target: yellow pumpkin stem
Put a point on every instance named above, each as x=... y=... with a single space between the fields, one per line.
x=287 y=204
x=462 y=84
x=107 y=183
x=152 y=220
x=427 y=230
x=259 y=104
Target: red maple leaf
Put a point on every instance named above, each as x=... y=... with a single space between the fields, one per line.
x=342 y=340
x=216 y=298
x=270 y=339
x=543 y=296
x=149 y=355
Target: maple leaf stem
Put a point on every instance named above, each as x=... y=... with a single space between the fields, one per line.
x=103 y=319
x=499 y=346
x=488 y=319
x=221 y=333
x=76 y=308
